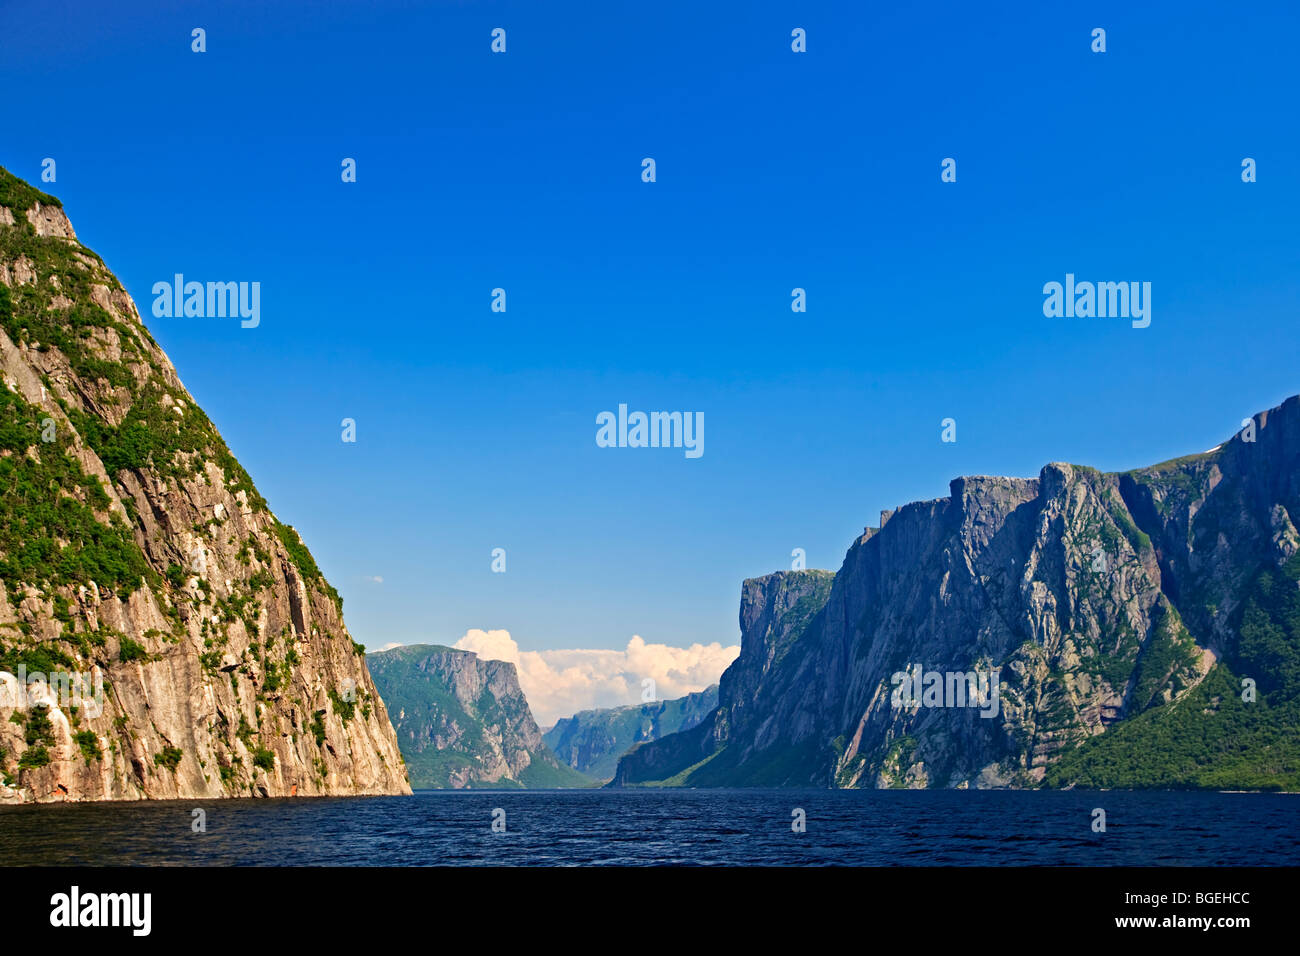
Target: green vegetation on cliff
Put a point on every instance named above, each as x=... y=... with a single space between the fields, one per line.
x=56 y=526
x=1211 y=737
x=132 y=542
x=464 y=722
x=592 y=741
x=20 y=196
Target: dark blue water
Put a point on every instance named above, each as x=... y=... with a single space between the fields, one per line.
x=644 y=827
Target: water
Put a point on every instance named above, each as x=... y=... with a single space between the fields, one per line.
x=644 y=827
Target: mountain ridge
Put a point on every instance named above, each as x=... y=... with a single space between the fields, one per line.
x=1099 y=598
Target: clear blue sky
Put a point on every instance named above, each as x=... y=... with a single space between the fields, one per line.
x=775 y=170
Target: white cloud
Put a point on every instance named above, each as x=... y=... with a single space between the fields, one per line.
x=374 y=579
x=559 y=683
x=490 y=645
x=390 y=645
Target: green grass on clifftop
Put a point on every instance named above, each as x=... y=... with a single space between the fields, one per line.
x=21 y=196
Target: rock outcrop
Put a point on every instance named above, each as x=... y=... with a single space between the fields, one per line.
x=464 y=722
x=137 y=557
x=778 y=614
x=1118 y=618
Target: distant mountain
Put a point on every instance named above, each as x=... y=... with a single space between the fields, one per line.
x=137 y=555
x=775 y=615
x=591 y=741
x=464 y=722
x=1135 y=629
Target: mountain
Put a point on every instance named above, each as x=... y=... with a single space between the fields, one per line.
x=776 y=613
x=591 y=741
x=1134 y=629
x=464 y=722
x=136 y=552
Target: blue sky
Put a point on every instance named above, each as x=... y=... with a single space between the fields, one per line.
x=775 y=170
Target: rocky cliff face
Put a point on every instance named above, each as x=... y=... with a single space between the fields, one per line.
x=778 y=614
x=1094 y=605
x=137 y=555
x=464 y=722
x=591 y=741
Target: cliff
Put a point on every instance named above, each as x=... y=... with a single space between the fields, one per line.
x=136 y=555
x=777 y=615
x=591 y=741
x=464 y=722
x=1139 y=629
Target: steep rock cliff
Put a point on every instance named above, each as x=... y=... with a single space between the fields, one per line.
x=136 y=552
x=464 y=722
x=591 y=741
x=1096 y=604
x=779 y=616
